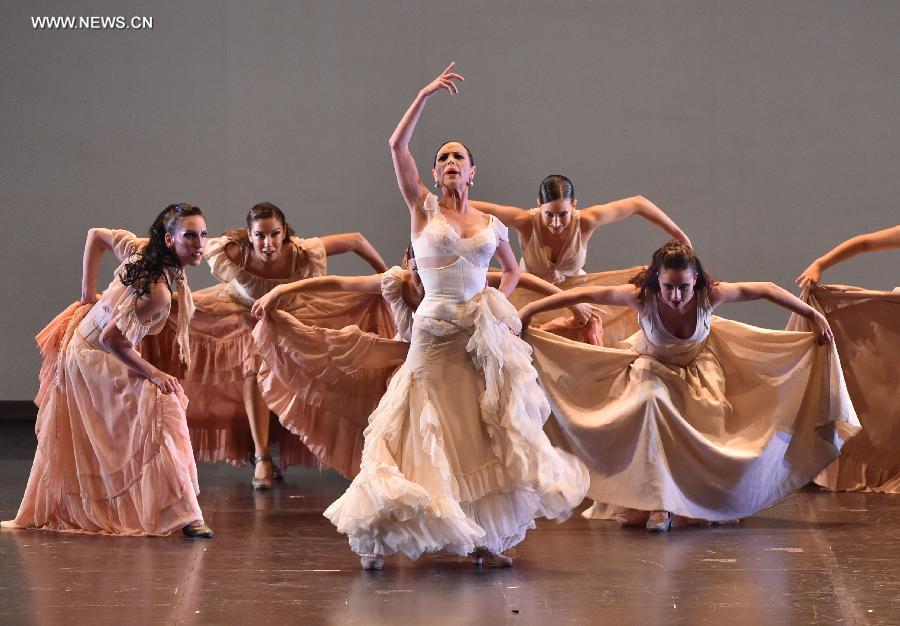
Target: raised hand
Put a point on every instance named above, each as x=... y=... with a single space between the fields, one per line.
x=444 y=81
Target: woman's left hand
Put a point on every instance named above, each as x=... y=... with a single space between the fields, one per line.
x=264 y=305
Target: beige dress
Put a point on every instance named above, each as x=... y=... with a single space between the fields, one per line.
x=866 y=325
x=714 y=427
x=113 y=454
x=454 y=454
x=567 y=272
x=225 y=352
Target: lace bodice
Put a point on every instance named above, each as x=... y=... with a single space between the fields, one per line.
x=453 y=268
x=439 y=240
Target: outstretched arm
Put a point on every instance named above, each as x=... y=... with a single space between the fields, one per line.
x=620 y=295
x=113 y=340
x=514 y=217
x=870 y=242
x=356 y=284
x=581 y=312
x=404 y=165
x=603 y=214
x=354 y=242
x=742 y=292
x=99 y=241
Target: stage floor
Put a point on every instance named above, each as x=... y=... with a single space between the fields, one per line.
x=817 y=558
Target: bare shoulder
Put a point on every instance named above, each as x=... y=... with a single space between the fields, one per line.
x=157 y=298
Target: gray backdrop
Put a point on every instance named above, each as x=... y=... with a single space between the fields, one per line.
x=768 y=130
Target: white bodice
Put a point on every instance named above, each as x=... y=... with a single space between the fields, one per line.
x=453 y=268
x=659 y=343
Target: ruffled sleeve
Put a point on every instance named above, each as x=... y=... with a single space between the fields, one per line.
x=500 y=229
x=125 y=243
x=216 y=255
x=313 y=260
x=392 y=292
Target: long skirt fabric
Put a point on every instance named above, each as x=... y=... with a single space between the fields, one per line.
x=113 y=455
x=748 y=418
x=454 y=454
x=866 y=325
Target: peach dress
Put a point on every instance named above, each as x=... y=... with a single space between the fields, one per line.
x=225 y=352
x=715 y=427
x=113 y=454
x=567 y=272
x=866 y=325
x=455 y=457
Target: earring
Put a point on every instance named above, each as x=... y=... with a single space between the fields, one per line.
x=471 y=182
x=435 y=183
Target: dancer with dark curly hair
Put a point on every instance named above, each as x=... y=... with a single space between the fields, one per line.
x=113 y=455
x=695 y=418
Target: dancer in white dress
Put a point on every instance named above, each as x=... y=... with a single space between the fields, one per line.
x=866 y=325
x=454 y=456
x=695 y=417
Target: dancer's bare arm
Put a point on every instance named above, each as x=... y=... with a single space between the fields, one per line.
x=723 y=293
x=113 y=340
x=511 y=272
x=99 y=241
x=414 y=192
x=581 y=312
x=599 y=215
x=514 y=217
x=619 y=295
x=356 y=284
x=869 y=242
x=354 y=242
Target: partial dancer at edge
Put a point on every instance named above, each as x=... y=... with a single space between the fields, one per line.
x=696 y=417
x=554 y=237
x=231 y=391
x=866 y=325
x=454 y=456
x=114 y=455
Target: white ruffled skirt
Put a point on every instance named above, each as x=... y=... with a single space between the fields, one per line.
x=455 y=456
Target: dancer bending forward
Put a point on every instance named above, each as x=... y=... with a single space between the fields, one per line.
x=454 y=456
x=695 y=416
x=114 y=455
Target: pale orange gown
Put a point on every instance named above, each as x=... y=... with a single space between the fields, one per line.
x=225 y=352
x=113 y=454
x=866 y=325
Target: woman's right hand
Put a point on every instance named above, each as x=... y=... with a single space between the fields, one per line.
x=443 y=81
x=823 y=329
x=166 y=383
x=88 y=297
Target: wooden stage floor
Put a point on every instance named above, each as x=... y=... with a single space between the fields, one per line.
x=817 y=558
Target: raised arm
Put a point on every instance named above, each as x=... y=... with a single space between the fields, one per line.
x=356 y=284
x=723 y=293
x=411 y=186
x=354 y=242
x=113 y=340
x=619 y=295
x=869 y=242
x=514 y=217
x=602 y=214
x=99 y=241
